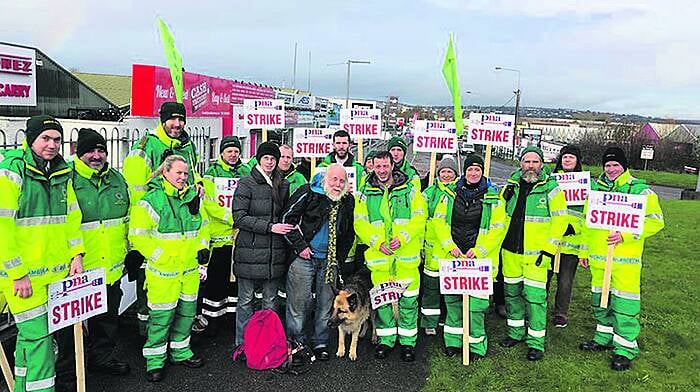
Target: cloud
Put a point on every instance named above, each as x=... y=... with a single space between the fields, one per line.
x=543 y=8
x=45 y=23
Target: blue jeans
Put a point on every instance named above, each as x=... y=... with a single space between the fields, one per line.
x=246 y=298
x=300 y=279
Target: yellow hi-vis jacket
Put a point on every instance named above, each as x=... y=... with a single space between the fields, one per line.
x=39 y=221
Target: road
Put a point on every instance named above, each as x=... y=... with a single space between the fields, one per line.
x=500 y=171
x=220 y=373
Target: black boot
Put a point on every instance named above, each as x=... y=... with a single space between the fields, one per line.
x=509 y=342
x=620 y=363
x=408 y=353
x=534 y=354
x=381 y=351
x=593 y=346
x=154 y=375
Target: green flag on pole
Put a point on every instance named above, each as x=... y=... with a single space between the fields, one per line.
x=174 y=58
x=449 y=72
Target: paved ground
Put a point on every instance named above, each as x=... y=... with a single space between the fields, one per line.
x=221 y=373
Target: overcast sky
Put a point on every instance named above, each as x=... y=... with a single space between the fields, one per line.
x=624 y=56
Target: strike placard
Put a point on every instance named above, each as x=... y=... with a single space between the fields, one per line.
x=493 y=129
x=77 y=298
x=616 y=211
x=263 y=113
x=364 y=123
x=352 y=176
x=388 y=292
x=575 y=185
x=435 y=136
x=224 y=189
x=313 y=142
x=466 y=276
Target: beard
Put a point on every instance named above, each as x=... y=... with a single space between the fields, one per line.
x=531 y=176
x=330 y=193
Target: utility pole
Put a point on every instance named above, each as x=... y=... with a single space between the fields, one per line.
x=347 y=88
x=294 y=67
x=517 y=103
x=517 y=106
x=308 y=81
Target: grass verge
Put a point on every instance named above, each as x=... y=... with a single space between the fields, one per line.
x=669 y=343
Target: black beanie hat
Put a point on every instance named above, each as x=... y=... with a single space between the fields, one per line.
x=268 y=148
x=38 y=124
x=473 y=160
x=89 y=139
x=229 y=141
x=170 y=110
x=615 y=154
x=569 y=149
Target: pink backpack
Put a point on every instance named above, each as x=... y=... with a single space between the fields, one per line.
x=264 y=341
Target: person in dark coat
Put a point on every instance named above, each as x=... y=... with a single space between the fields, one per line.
x=323 y=211
x=259 y=254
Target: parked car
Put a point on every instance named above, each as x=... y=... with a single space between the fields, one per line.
x=466 y=148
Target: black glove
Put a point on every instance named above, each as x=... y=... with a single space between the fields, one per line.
x=133 y=261
x=203 y=256
x=194 y=205
x=546 y=254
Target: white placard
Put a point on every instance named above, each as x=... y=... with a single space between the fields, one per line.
x=350 y=171
x=77 y=298
x=575 y=185
x=435 y=136
x=263 y=113
x=647 y=153
x=224 y=189
x=493 y=129
x=616 y=211
x=388 y=292
x=17 y=76
x=312 y=142
x=364 y=123
x=466 y=276
x=128 y=294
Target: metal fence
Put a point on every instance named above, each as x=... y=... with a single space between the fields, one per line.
x=120 y=138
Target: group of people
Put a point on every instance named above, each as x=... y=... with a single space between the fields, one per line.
x=285 y=236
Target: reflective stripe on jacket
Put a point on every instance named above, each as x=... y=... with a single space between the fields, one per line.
x=104 y=202
x=39 y=220
x=219 y=210
x=164 y=231
x=147 y=154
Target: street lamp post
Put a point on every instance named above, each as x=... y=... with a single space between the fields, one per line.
x=347 y=80
x=517 y=101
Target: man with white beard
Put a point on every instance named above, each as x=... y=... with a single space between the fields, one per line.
x=536 y=219
x=322 y=211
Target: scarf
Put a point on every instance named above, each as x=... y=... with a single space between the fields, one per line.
x=332 y=266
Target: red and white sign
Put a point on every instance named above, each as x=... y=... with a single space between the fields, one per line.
x=77 y=298
x=466 y=276
x=224 y=189
x=263 y=113
x=388 y=292
x=616 y=211
x=435 y=136
x=204 y=96
x=349 y=170
x=364 y=123
x=493 y=129
x=312 y=142
x=575 y=185
x=17 y=76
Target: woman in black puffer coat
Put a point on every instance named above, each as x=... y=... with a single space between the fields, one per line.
x=259 y=254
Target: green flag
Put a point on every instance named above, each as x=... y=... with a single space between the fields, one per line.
x=174 y=58
x=449 y=72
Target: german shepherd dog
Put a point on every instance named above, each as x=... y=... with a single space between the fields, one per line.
x=352 y=312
